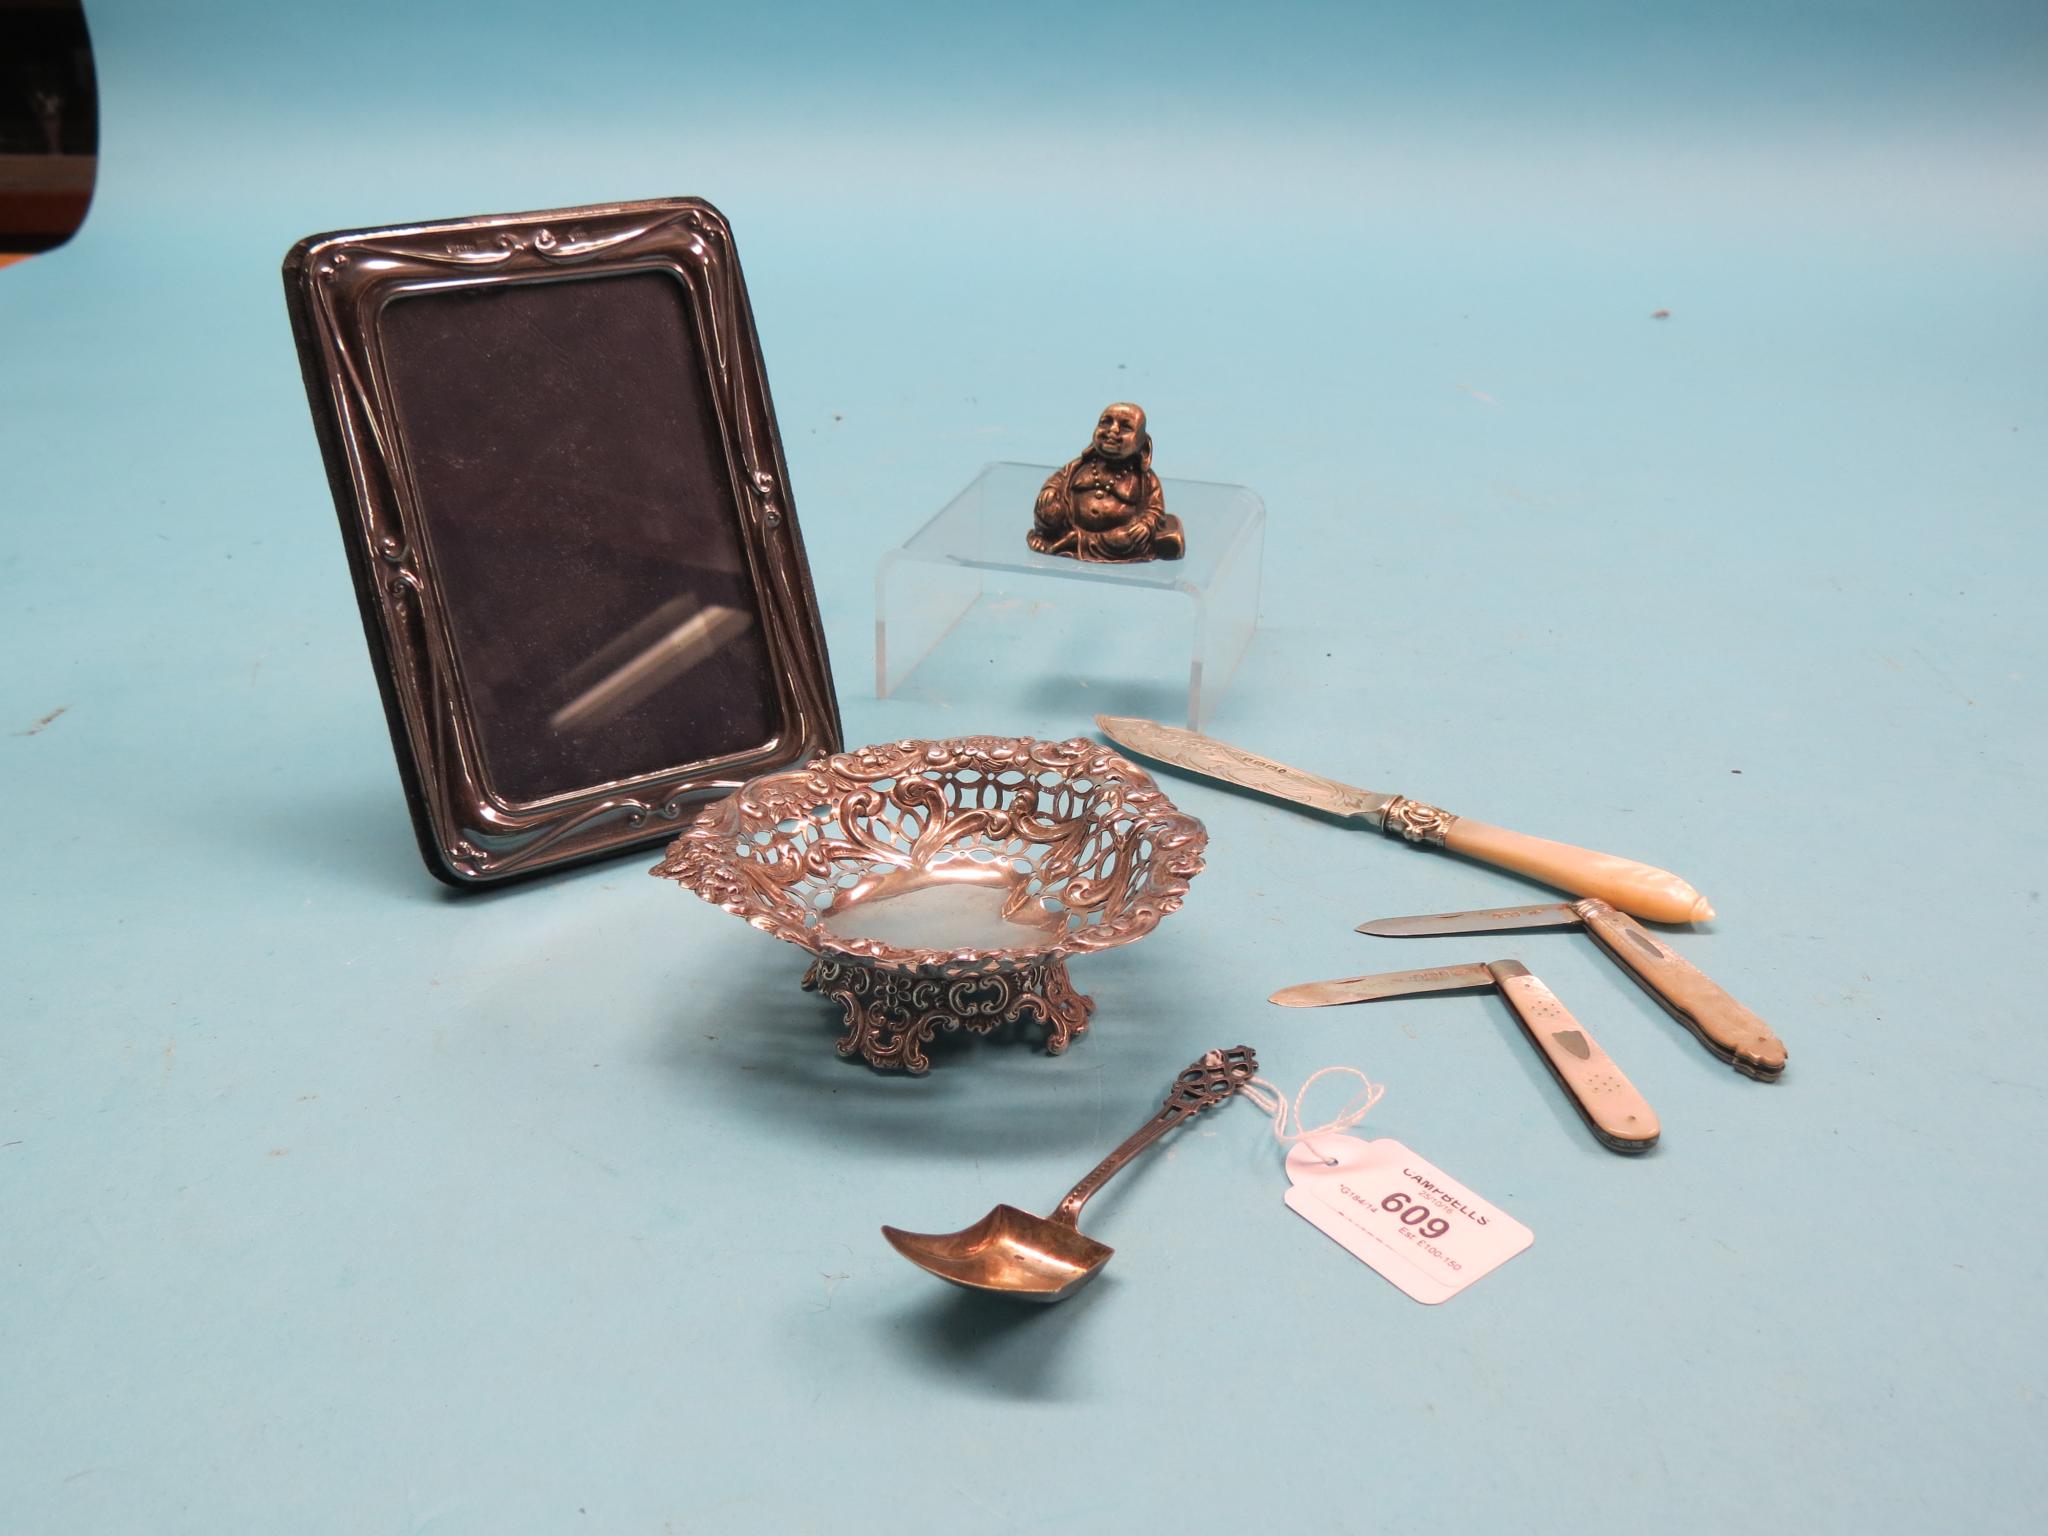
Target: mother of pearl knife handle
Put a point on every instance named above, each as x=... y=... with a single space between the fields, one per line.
x=1688 y=994
x=1616 y=1113
x=1639 y=888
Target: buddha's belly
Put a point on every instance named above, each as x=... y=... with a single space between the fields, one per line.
x=1098 y=511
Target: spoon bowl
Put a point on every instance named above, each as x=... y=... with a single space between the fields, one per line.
x=1045 y=1258
x=1014 y=1252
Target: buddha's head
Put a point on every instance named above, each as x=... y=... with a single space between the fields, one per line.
x=1121 y=431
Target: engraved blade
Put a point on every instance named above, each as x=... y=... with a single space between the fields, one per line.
x=1556 y=914
x=1233 y=765
x=1364 y=989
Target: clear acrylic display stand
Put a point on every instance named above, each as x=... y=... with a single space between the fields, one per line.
x=965 y=594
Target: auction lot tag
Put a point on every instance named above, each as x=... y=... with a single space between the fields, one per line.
x=1414 y=1223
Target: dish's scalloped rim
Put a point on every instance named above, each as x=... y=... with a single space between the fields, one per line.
x=704 y=858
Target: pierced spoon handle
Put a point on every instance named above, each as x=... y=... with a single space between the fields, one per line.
x=1204 y=1085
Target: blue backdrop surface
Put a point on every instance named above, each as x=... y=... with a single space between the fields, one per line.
x=332 y=1202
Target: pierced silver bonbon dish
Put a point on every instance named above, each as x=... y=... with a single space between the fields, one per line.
x=944 y=884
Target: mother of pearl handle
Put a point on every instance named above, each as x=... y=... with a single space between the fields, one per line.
x=1619 y=1116
x=1641 y=889
x=1688 y=994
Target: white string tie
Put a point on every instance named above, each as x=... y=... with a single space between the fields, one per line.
x=1268 y=1098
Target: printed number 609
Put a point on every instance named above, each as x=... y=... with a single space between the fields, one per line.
x=1416 y=1215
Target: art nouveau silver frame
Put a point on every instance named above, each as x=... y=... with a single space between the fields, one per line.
x=337 y=286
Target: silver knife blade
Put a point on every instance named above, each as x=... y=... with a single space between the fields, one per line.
x=1557 y=914
x=1233 y=765
x=1363 y=989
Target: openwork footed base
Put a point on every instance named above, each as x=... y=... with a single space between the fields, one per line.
x=891 y=1014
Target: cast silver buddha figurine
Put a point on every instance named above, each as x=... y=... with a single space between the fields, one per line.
x=1107 y=505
